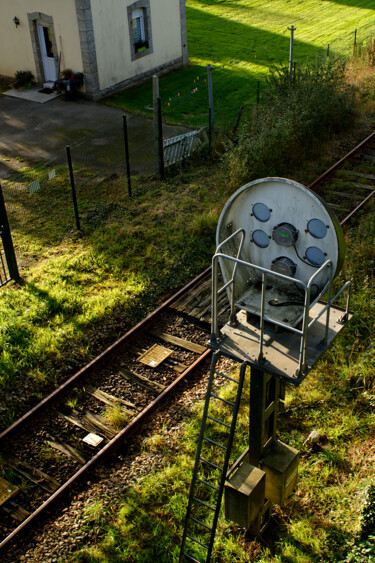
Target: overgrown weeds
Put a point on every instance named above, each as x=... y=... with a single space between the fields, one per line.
x=315 y=103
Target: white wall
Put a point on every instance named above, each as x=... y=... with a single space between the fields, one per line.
x=16 y=51
x=111 y=30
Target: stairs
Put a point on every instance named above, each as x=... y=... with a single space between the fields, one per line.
x=211 y=466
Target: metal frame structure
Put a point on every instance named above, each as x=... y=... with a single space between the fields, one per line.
x=265 y=273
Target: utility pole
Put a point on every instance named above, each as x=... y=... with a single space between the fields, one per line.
x=211 y=120
x=292 y=30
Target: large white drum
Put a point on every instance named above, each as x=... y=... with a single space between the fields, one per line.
x=289 y=230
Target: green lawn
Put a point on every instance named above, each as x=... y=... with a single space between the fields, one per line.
x=144 y=523
x=242 y=39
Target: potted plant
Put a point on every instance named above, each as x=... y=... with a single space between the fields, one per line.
x=23 y=79
x=70 y=81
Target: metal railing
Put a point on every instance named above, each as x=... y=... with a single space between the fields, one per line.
x=177 y=149
x=265 y=273
x=4 y=272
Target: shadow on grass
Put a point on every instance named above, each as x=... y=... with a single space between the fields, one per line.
x=364 y=4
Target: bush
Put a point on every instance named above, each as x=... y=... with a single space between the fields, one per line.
x=297 y=114
x=23 y=79
x=363 y=549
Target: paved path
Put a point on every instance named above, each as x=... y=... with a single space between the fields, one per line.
x=33 y=131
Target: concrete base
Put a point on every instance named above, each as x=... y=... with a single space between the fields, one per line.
x=33 y=95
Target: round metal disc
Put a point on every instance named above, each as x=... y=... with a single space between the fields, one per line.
x=261 y=238
x=315 y=256
x=261 y=212
x=317 y=228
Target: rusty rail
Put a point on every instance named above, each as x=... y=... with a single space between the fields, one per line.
x=132 y=426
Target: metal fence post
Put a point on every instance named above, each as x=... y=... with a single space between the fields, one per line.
x=127 y=154
x=211 y=119
x=160 y=141
x=292 y=30
x=74 y=197
x=158 y=133
x=7 y=241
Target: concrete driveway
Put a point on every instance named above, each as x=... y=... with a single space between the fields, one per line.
x=33 y=131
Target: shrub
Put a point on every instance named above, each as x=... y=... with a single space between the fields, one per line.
x=363 y=549
x=23 y=79
x=297 y=114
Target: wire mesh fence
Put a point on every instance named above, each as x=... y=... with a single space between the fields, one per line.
x=44 y=187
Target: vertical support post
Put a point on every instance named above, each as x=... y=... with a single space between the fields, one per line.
x=157 y=129
x=292 y=30
x=328 y=50
x=258 y=93
x=74 y=197
x=211 y=118
x=262 y=308
x=264 y=406
x=125 y=125
x=161 y=149
x=355 y=40
x=7 y=241
x=214 y=298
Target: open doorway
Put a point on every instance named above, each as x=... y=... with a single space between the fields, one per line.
x=46 y=49
x=44 y=45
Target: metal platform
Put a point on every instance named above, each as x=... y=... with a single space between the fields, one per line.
x=281 y=348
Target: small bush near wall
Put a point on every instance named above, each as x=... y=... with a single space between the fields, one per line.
x=280 y=133
x=23 y=79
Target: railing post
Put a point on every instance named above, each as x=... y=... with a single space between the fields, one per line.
x=125 y=126
x=74 y=197
x=160 y=141
x=7 y=241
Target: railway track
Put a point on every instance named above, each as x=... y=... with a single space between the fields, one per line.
x=86 y=419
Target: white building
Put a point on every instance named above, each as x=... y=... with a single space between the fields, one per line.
x=115 y=43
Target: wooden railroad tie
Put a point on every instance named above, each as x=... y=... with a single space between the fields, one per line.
x=15 y=511
x=33 y=474
x=186 y=344
x=109 y=399
x=141 y=380
x=69 y=451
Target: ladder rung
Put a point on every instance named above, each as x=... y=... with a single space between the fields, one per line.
x=204 y=503
x=190 y=558
x=201 y=523
x=227 y=377
x=208 y=484
x=211 y=464
x=218 y=421
x=221 y=399
x=215 y=443
x=197 y=541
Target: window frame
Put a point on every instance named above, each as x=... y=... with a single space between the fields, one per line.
x=140 y=9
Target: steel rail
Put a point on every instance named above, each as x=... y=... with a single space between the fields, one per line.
x=124 y=434
x=108 y=449
x=340 y=162
x=132 y=333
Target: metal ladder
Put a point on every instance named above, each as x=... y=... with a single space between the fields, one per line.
x=205 y=494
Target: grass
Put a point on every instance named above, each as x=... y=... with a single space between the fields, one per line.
x=321 y=520
x=130 y=252
x=82 y=289
x=243 y=40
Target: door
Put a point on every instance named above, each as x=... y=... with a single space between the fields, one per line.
x=48 y=59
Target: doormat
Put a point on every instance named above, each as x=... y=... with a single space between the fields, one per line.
x=46 y=91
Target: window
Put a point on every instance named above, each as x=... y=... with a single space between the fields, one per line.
x=48 y=41
x=140 y=28
x=139 y=35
